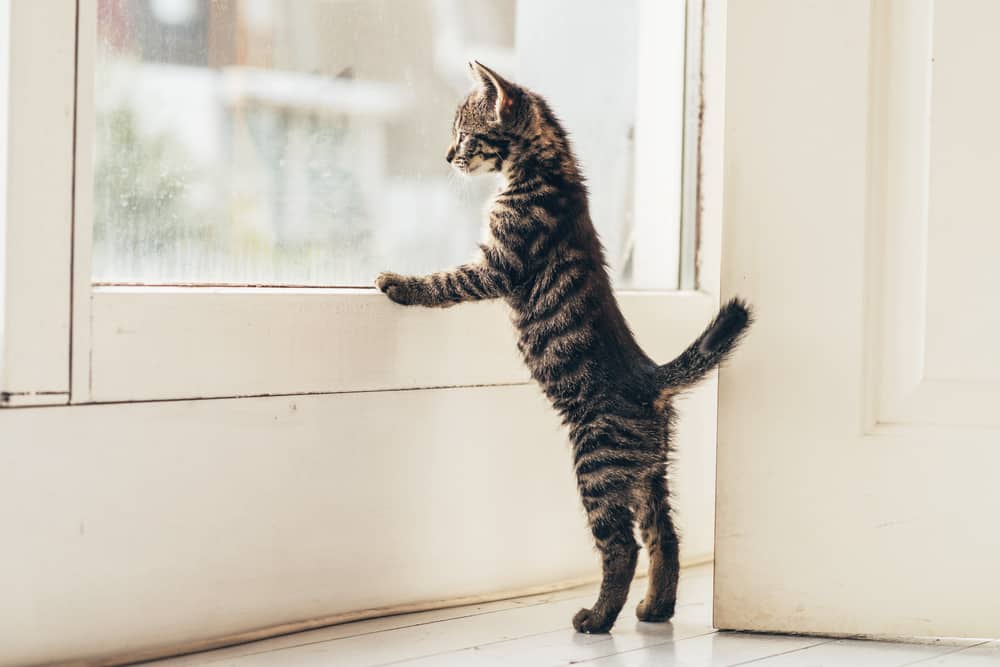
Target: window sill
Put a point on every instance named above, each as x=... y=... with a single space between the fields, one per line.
x=168 y=343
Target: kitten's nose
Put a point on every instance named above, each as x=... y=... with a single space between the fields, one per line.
x=451 y=155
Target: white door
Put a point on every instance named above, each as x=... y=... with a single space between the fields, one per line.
x=859 y=435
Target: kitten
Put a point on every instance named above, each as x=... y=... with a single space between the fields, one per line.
x=544 y=258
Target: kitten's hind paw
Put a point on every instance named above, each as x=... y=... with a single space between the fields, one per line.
x=588 y=622
x=654 y=613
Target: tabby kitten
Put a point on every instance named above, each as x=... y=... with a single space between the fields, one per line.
x=544 y=258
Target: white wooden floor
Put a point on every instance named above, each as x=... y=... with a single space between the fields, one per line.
x=536 y=631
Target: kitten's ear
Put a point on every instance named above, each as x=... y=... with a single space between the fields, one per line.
x=505 y=92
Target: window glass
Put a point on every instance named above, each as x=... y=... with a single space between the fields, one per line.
x=302 y=142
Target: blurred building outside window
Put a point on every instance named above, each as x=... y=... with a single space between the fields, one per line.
x=301 y=142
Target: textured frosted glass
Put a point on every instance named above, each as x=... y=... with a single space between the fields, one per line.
x=303 y=141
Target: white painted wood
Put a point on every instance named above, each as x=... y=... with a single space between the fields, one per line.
x=939 y=146
x=159 y=343
x=161 y=523
x=962 y=216
x=658 y=141
x=4 y=126
x=33 y=399
x=711 y=167
x=155 y=343
x=39 y=71
x=845 y=504
x=83 y=212
x=693 y=126
x=900 y=140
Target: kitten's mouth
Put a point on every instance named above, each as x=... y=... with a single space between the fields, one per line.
x=476 y=166
x=466 y=170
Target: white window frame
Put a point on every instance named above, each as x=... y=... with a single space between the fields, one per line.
x=37 y=42
x=66 y=340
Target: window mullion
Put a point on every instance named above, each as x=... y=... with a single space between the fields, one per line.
x=83 y=211
x=37 y=209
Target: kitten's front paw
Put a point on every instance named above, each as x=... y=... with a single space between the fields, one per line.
x=590 y=623
x=398 y=288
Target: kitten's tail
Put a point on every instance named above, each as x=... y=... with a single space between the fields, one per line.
x=709 y=350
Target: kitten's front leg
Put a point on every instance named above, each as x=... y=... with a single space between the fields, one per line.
x=470 y=282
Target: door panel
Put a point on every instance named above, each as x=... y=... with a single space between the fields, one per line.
x=963 y=234
x=858 y=441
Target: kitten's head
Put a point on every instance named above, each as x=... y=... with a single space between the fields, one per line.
x=493 y=113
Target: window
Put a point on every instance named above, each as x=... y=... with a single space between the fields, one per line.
x=227 y=177
x=301 y=143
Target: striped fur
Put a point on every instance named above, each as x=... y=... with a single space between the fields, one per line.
x=544 y=258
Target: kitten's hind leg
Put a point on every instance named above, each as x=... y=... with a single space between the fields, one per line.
x=611 y=525
x=660 y=537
